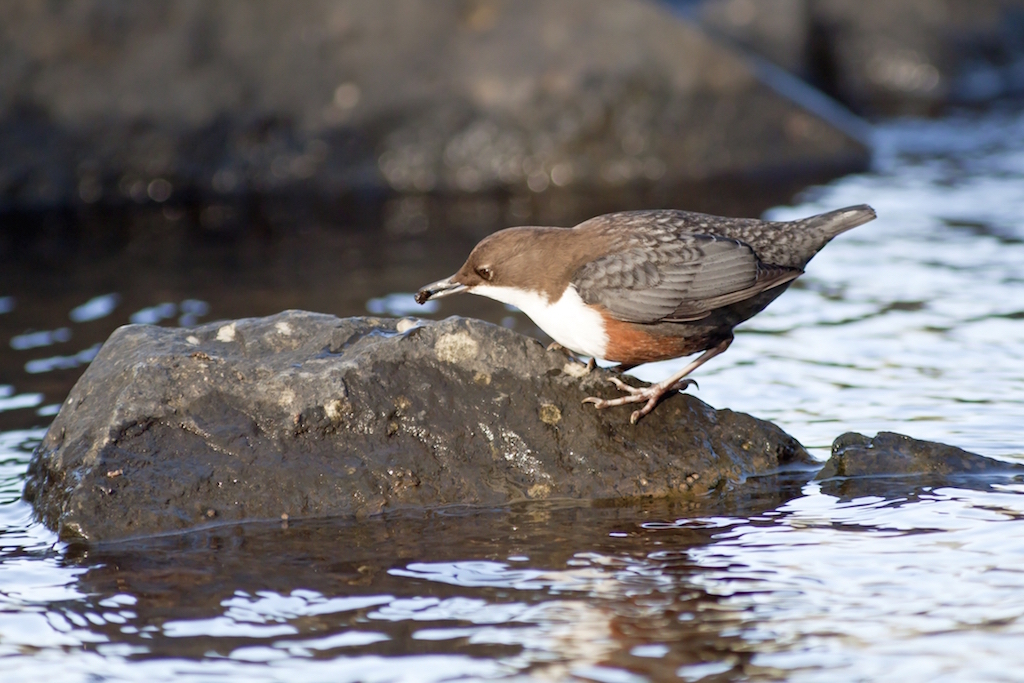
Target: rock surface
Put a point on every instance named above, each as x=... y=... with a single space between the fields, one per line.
x=855 y=455
x=885 y=56
x=308 y=415
x=108 y=101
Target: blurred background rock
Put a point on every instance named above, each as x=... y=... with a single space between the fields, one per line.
x=883 y=57
x=122 y=102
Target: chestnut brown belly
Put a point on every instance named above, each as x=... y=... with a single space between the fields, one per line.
x=636 y=343
x=633 y=343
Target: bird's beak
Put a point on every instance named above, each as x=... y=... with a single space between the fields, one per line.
x=438 y=289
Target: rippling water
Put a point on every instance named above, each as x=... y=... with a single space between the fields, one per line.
x=913 y=323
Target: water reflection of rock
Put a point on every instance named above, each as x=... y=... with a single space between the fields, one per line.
x=537 y=586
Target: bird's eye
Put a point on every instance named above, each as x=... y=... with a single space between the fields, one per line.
x=485 y=273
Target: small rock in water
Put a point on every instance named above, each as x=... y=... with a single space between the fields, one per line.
x=855 y=455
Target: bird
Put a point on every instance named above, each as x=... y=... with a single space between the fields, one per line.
x=635 y=287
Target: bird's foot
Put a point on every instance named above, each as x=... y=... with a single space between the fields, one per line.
x=651 y=394
x=591 y=363
x=683 y=383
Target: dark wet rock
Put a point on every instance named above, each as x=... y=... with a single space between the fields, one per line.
x=885 y=56
x=308 y=415
x=855 y=455
x=121 y=101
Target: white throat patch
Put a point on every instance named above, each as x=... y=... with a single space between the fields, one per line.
x=568 y=321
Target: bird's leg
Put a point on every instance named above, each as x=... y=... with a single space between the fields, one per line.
x=555 y=346
x=655 y=392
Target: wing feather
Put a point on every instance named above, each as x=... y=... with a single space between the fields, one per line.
x=678 y=279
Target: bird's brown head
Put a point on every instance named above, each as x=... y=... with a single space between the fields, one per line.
x=514 y=257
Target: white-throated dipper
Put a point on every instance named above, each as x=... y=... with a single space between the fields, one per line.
x=642 y=286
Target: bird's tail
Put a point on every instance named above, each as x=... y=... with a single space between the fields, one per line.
x=839 y=221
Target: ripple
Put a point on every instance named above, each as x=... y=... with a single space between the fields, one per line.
x=399 y=304
x=20 y=401
x=83 y=357
x=95 y=308
x=32 y=340
x=833 y=583
x=154 y=314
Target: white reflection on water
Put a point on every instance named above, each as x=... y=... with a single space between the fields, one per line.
x=260 y=666
x=8 y=402
x=913 y=323
x=399 y=304
x=83 y=357
x=31 y=340
x=95 y=308
x=872 y=589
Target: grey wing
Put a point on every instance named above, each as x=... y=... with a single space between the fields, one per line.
x=681 y=279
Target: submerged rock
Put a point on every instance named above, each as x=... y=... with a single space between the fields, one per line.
x=855 y=455
x=309 y=415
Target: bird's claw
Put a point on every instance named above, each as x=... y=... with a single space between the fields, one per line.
x=651 y=394
x=623 y=386
x=601 y=403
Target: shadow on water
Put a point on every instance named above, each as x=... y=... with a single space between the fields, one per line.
x=537 y=585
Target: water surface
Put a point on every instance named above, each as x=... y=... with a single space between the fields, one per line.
x=913 y=323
